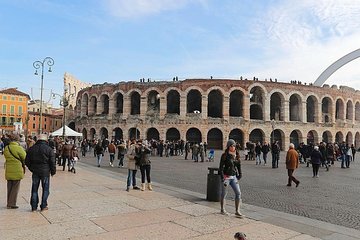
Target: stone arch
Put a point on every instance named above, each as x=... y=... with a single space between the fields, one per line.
x=135 y=103
x=277 y=103
x=84 y=104
x=215 y=103
x=118 y=133
x=327 y=137
x=339 y=137
x=78 y=107
x=327 y=109
x=349 y=138
x=153 y=102
x=278 y=135
x=340 y=109
x=295 y=107
x=295 y=137
x=172 y=134
x=357 y=140
x=119 y=102
x=84 y=133
x=311 y=108
x=312 y=137
x=215 y=138
x=349 y=110
x=237 y=135
x=257 y=135
x=173 y=102
x=193 y=101
x=93 y=106
x=104 y=100
x=104 y=133
x=236 y=103
x=357 y=111
x=134 y=133
x=92 y=133
x=257 y=102
x=152 y=133
x=193 y=135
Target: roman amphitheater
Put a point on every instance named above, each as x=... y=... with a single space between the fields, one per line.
x=213 y=110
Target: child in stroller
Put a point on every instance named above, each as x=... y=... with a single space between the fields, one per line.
x=74 y=159
x=211 y=155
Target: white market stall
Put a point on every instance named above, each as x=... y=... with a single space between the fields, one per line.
x=68 y=132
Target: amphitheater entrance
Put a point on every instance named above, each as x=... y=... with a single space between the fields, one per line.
x=256 y=135
x=311 y=109
x=238 y=136
x=215 y=104
x=276 y=106
x=349 y=138
x=295 y=137
x=92 y=133
x=327 y=137
x=357 y=140
x=257 y=97
x=215 y=139
x=172 y=134
x=104 y=99
x=135 y=103
x=339 y=137
x=119 y=104
x=278 y=135
x=118 y=134
x=193 y=101
x=236 y=103
x=312 y=137
x=104 y=133
x=152 y=133
x=84 y=133
x=326 y=109
x=173 y=102
x=134 y=133
x=295 y=108
x=193 y=135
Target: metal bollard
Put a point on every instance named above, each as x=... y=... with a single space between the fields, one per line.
x=213 y=192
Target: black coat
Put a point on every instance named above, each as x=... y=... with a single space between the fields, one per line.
x=40 y=159
x=229 y=166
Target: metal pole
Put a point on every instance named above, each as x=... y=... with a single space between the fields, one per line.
x=64 y=119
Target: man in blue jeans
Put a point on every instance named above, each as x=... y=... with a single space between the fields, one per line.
x=40 y=159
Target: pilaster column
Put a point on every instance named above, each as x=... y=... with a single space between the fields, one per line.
x=182 y=107
x=143 y=107
x=266 y=109
x=246 y=107
x=204 y=107
x=112 y=109
x=303 y=117
x=286 y=111
x=318 y=113
x=99 y=107
x=163 y=107
x=226 y=108
x=126 y=107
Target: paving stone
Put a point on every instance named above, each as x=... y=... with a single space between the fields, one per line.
x=196 y=209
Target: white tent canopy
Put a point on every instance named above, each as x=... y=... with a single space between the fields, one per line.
x=68 y=132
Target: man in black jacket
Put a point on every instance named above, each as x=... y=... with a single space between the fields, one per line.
x=40 y=159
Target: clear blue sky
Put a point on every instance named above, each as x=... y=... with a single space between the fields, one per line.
x=120 y=40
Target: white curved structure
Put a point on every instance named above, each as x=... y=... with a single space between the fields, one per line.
x=335 y=66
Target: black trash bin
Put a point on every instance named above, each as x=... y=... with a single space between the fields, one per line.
x=213 y=192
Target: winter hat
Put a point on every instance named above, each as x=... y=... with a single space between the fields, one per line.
x=230 y=142
x=43 y=137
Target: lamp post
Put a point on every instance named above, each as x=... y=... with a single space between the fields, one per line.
x=64 y=102
x=272 y=133
x=40 y=65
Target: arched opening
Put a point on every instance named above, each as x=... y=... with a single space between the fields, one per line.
x=311 y=109
x=173 y=102
x=295 y=137
x=339 y=112
x=78 y=107
x=357 y=111
x=238 y=136
x=135 y=104
x=172 y=134
x=104 y=133
x=327 y=137
x=152 y=133
x=295 y=108
x=84 y=104
x=349 y=110
x=326 y=109
x=193 y=101
x=92 y=133
x=357 y=140
x=153 y=102
x=104 y=99
x=312 y=137
x=93 y=106
x=279 y=136
x=236 y=103
x=277 y=106
x=134 y=133
x=349 y=138
x=193 y=135
x=72 y=125
x=118 y=134
x=215 y=139
x=257 y=97
x=84 y=133
x=256 y=135
x=339 y=137
x=215 y=104
x=119 y=103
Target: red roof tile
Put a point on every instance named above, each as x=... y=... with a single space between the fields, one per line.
x=14 y=91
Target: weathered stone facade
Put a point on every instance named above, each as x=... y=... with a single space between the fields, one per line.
x=212 y=110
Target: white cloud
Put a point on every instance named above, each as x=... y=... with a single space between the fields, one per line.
x=141 y=8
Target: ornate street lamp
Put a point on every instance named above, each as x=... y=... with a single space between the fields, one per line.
x=40 y=65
